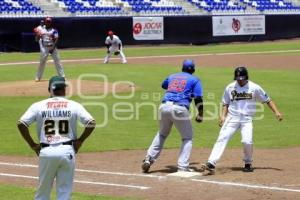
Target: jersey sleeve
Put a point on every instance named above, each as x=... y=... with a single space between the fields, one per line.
x=165 y=83
x=107 y=40
x=226 y=97
x=29 y=116
x=197 y=90
x=261 y=95
x=118 y=40
x=83 y=115
x=55 y=34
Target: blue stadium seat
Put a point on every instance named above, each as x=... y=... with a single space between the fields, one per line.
x=153 y=6
x=78 y=7
x=19 y=7
x=242 y=5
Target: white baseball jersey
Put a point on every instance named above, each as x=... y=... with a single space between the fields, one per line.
x=48 y=36
x=56 y=119
x=242 y=100
x=115 y=42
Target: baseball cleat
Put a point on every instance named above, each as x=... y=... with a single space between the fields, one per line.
x=208 y=167
x=147 y=162
x=248 y=168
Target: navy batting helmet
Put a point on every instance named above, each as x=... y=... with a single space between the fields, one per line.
x=241 y=73
x=188 y=66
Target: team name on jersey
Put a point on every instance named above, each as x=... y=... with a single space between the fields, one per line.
x=56 y=113
x=57 y=104
x=240 y=96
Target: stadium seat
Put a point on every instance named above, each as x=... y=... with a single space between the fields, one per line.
x=17 y=7
x=241 y=6
x=150 y=7
x=92 y=7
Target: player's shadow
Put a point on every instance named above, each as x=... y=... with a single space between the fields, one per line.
x=173 y=168
x=255 y=168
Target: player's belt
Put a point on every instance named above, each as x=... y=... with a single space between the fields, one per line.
x=43 y=145
x=176 y=103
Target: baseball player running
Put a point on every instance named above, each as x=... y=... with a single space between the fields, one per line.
x=181 y=89
x=114 y=46
x=56 y=119
x=239 y=103
x=49 y=38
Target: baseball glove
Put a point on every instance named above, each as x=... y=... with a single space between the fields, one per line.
x=117 y=53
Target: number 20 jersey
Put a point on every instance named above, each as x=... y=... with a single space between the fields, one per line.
x=56 y=119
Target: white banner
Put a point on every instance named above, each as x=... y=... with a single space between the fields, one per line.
x=238 y=25
x=148 y=28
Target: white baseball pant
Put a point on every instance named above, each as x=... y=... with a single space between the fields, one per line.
x=43 y=58
x=179 y=116
x=57 y=161
x=112 y=50
x=230 y=126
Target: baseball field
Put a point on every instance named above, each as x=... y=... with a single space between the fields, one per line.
x=124 y=98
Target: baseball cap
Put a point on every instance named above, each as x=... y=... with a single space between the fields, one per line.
x=110 y=33
x=57 y=82
x=48 y=19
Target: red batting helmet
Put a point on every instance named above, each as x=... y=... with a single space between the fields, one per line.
x=109 y=33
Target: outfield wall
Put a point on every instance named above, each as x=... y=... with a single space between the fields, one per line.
x=16 y=33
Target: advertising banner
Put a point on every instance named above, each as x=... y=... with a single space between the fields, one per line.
x=148 y=28
x=238 y=25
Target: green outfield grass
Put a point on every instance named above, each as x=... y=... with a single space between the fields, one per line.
x=280 y=84
x=20 y=193
x=137 y=133
x=162 y=50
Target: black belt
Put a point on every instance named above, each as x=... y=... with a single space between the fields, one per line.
x=178 y=104
x=43 y=145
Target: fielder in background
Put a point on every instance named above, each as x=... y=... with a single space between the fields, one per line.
x=181 y=89
x=49 y=38
x=56 y=119
x=114 y=46
x=239 y=106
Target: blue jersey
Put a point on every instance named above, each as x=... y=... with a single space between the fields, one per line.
x=182 y=88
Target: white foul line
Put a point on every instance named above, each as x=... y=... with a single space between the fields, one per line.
x=19 y=176
x=245 y=185
x=164 y=177
x=88 y=171
x=113 y=184
x=120 y=173
x=18 y=164
x=150 y=57
x=82 y=182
